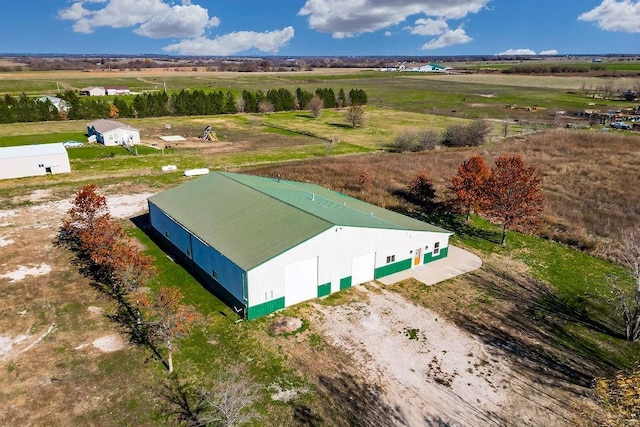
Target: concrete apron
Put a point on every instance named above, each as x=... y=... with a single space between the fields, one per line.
x=457 y=262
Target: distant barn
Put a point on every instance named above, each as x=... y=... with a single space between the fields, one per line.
x=33 y=160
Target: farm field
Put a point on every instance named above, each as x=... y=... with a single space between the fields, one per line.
x=527 y=332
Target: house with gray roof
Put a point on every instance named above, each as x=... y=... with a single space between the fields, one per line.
x=111 y=132
x=262 y=244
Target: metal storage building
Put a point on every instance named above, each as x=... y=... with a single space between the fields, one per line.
x=33 y=160
x=263 y=244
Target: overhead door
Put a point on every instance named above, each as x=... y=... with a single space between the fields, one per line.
x=362 y=268
x=300 y=281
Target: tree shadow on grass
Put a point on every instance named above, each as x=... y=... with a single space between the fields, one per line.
x=536 y=330
x=439 y=214
x=361 y=404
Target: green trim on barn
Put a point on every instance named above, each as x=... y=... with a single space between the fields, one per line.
x=345 y=282
x=428 y=257
x=388 y=269
x=324 y=290
x=265 y=308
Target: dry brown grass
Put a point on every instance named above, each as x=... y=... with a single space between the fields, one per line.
x=590 y=179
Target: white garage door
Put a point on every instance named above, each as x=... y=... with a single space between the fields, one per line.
x=300 y=281
x=362 y=268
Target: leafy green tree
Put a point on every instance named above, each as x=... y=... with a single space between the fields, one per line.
x=250 y=102
x=303 y=98
x=230 y=104
x=124 y=109
x=358 y=97
x=342 y=98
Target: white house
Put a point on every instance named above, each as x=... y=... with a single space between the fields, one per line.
x=33 y=160
x=111 y=132
x=117 y=90
x=93 y=91
x=262 y=244
x=60 y=104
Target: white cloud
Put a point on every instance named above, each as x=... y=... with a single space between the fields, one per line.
x=615 y=15
x=347 y=19
x=74 y=13
x=387 y=33
x=430 y=27
x=549 y=52
x=232 y=43
x=449 y=38
x=517 y=52
x=179 y=21
x=154 y=18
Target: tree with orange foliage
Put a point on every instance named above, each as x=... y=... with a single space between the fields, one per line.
x=466 y=189
x=88 y=208
x=169 y=319
x=512 y=195
x=114 y=113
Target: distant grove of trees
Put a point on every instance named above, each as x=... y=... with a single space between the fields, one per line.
x=183 y=103
x=553 y=68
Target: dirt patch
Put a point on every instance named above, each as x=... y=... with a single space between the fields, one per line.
x=285 y=325
x=22 y=272
x=109 y=343
x=94 y=310
x=7 y=343
x=4 y=241
x=425 y=366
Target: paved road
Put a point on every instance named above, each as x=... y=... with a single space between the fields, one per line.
x=457 y=262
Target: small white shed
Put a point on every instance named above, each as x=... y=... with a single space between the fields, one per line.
x=111 y=132
x=33 y=160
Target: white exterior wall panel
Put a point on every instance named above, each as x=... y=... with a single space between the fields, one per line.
x=34 y=164
x=336 y=250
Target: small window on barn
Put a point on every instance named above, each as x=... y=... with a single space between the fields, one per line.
x=166 y=234
x=189 y=253
x=436 y=248
x=391 y=258
x=214 y=274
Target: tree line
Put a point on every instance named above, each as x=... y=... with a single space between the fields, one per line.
x=184 y=103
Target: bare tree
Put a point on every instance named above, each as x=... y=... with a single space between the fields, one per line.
x=230 y=401
x=354 y=116
x=628 y=298
x=630 y=252
x=315 y=106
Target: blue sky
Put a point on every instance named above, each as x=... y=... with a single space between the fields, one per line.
x=320 y=27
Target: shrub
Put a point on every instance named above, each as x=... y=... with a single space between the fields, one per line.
x=471 y=135
x=410 y=140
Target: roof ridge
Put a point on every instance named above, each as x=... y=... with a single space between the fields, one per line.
x=226 y=174
x=289 y=182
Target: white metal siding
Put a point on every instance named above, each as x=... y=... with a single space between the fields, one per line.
x=362 y=269
x=335 y=250
x=300 y=281
x=34 y=165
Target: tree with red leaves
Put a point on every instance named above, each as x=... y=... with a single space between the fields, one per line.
x=169 y=319
x=512 y=195
x=88 y=208
x=466 y=189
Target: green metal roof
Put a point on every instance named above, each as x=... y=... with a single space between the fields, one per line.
x=252 y=219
